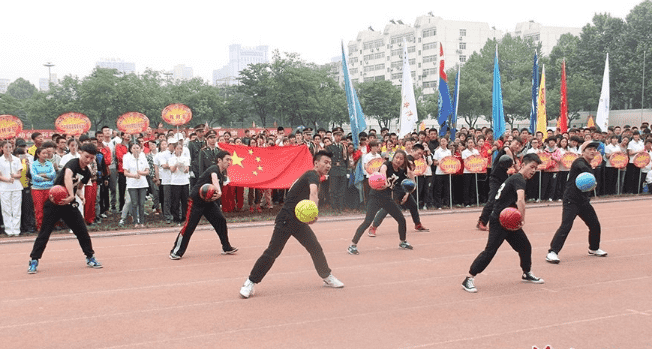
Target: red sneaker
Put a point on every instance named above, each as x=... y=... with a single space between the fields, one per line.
x=481 y=226
x=372 y=231
x=420 y=227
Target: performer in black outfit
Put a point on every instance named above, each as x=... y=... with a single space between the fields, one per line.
x=394 y=171
x=510 y=194
x=287 y=224
x=577 y=203
x=198 y=207
x=504 y=160
x=74 y=175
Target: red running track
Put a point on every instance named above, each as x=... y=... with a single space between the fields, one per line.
x=393 y=298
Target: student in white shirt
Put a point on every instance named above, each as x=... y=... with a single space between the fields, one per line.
x=161 y=162
x=136 y=169
x=611 y=173
x=634 y=147
x=11 y=190
x=469 y=177
x=441 y=192
x=179 y=166
x=374 y=153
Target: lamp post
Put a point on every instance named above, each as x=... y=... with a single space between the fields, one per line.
x=49 y=65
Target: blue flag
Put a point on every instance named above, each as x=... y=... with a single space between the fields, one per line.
x=497 y=112
x=358 y=123
x=453 y=122
x=535 y=94
x=445 y=106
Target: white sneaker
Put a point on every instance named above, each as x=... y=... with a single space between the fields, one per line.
x=332 y=281
x=597 y=253
x=552 y=258
x=247 y=290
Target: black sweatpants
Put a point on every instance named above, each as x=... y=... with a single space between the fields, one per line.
x=548 y=184
x=179 y=196
x=213 y=214
x=497 y=234
x=377 y=201
x=491 y=200
x=470 y=197
x=72 y=217
x=568 y=214
x=410 y=204
x=287 y=225
x=441 y=190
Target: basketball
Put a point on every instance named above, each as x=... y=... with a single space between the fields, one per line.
x=377 y=181
x=306 y=211
x=585 y=182
x=58 y=193
x=510 y=219
x=207 y=191
x=408 y=185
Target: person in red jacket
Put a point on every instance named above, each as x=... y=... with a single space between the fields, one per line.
x=120 y=151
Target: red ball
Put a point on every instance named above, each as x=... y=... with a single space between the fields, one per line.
x=207 y=191
x=510 y=219
x=58 y=193
x=377 y=181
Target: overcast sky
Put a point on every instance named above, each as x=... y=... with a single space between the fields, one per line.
x=74 y=35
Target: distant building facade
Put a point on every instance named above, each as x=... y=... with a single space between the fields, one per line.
x=4 y=84
x=44 y=83
x=239 y=58
x=181 y=72
x=120 y=65
x=548 y=36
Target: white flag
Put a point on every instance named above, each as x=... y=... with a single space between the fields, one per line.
x=602 y=117
x=408 y=120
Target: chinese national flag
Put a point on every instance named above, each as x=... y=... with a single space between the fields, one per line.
x=267 y=168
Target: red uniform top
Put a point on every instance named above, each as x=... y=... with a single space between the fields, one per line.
x=120 y=151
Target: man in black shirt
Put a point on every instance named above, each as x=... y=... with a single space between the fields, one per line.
x=305 y=187
x=195 y=147
x=73 y=176
x=198 y=207
x=577 y=203
x=504 y=160
x=510 y=194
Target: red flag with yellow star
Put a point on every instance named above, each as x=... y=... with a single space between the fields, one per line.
x=267 y=168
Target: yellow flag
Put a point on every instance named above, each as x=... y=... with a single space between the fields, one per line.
x=542 y=119
x=590 y=123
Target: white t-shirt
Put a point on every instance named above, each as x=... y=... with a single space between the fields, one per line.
x=133 y=165
x=466 y=153
x=7 y=168
x=159 y=160
x=66 y=158
x=636 y=147
x=179 y=177
x=365 y=160
x=440 y=154
x=610 y=149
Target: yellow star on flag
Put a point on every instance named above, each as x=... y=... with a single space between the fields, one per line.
x=255 y=173
x=251 y=152
x=260 y=168
x=257 y=159
x=237 y=160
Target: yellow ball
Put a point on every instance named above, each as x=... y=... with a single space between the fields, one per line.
x=306 y=211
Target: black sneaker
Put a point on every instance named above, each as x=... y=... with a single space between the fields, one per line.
x=353 y=249
x=529 y=277
x=468 y=285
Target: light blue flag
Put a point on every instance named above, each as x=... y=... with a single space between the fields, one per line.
x=497 y=112
x=453 y=122
x=535 y=94
x=358 y=123
x=445 y=106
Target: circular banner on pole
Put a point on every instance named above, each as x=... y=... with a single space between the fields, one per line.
x=133 y=122
x=619 y=160
x=450 y=165
x=475 y=164
x=420 y=167
x=374 y=165
x=176 y=114
x=10 y=126
x=568 y=158
x=597 y=160
x=72 y=123
x=546 y=160
x=641 y=159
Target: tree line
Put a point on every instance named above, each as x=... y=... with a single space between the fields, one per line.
x=290 y=91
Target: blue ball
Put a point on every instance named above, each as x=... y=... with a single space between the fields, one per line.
x=408 y=185
x=585 y=182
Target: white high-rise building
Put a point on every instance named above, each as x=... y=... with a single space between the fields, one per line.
x=548 y=36
x=119 y=64
x=181 y=72
x=239 y=58
x=377 y=55
x=44 y=83
x=4 y=84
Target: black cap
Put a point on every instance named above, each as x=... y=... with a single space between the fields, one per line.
x=593 y=144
